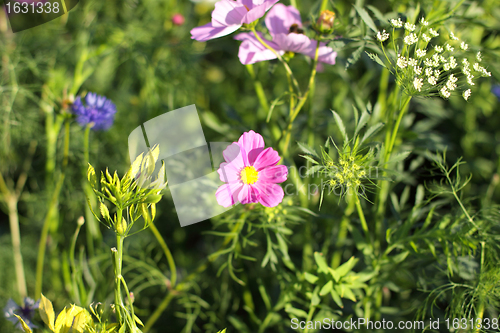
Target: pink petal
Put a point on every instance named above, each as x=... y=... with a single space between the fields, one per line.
x=228 y=12
x=252 y=51
x=270 y=195
x=229 y=173
x=326 y=54
x=268 y=157
x=254 y=3
x=280 y=18
x=254 y=14
x=227 y=194
x=248 y=194
x=274 y=174
x=207 y=32
x=297 y=43
x=253 y=144
x=233 y=154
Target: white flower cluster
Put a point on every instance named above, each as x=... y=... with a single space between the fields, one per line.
x=397 y=23
x=432 y=69
x=411 y=39
x=382 y=36
x=410 y=27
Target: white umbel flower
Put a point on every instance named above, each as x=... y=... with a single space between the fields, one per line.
x=438 y=48
x=464 y=46
x=426 y=38
x=402 y=62
x=449 y=48
x=450 y=84
x=412 y=62
x=421 y=53
x=432 y=80
x=382 y=36
x=424 y=22
x=417 y=70
x=467 y=94
x=433 y=32
x=452 y=36
x=418 y=83
x=397 y=23
x=478 y=57
x=410 y=27
x=444 y=92
x=410 y=39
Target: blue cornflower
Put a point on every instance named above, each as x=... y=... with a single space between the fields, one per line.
x=26 y=312
x=98 y=110
x=496 y=91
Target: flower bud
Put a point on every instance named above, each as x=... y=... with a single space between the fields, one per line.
x=325 y=22
x=121 y=227
x=80 y=221
x=178 y=19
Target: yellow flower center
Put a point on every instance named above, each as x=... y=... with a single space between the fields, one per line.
x=249 y=175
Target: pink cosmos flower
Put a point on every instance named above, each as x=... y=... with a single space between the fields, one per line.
x=228 y=16
x=251 y=173
x=285 y=26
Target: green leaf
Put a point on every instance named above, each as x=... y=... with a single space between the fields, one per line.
x=371 y=131
x=47 y=312
x=399 y=157
x=366 y=18
x=104 y=211
x=310 y=277
x=92 y=178
x=376 y=58
x=307 y=149
x=138 y=321
x=26 y=328
x=349 y=294
x=309 y=158
x=223 y=331
x=340 y=125
x=337 y=299
x=327 y=288
x=297 y=312
x=346 y=267
x=320 y=260
x=365 y=116
x=355 y=56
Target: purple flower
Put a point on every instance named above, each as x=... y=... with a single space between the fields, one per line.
x=496 y=91
x=251 y=173
x=285 y=26
x=26 y=312
x=98 y=110
x=228 y=16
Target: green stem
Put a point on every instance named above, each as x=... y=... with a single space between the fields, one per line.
x=168 y=254
x=480 y=309
x=324 y=4
x=259 y=90
x=157 y=313
x=92 y=226
x=362 y=217
x=309 y=317
x=16 y=246
x=396 y=128
x=118 y=271
x=73 y=265
x=280 y=58
x=48 y=217
x=302 y=101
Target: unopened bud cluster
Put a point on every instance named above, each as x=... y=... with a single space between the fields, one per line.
x=347 y=174
x=426 y=67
